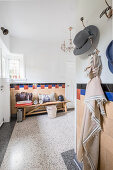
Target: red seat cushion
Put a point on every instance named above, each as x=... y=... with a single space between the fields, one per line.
x=25 y=104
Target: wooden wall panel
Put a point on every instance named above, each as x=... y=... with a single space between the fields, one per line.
x=80 y=112
x=109 y=109
x=106 y=152
x=106 y=135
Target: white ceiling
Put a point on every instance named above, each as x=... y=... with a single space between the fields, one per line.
x=38 y=19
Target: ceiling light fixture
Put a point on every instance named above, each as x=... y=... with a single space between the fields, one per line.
x=70 y=48
x=4 y=30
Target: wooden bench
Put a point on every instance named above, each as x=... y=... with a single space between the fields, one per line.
x=41 y=108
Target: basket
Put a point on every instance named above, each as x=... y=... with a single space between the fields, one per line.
x=51 y=110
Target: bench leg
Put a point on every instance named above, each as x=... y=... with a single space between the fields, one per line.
x=24 y=113
x=65 y=107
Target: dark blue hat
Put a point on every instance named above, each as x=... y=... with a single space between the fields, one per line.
x=109 y=54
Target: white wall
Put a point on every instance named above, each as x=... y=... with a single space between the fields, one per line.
x=5 y=39
x=4 y=42
x=43 y=60
x=91 y=10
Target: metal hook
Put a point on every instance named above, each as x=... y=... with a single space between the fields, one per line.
x=107 y=3
x=109 y=8
x=82 y=19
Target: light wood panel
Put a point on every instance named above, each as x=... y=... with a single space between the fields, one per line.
x=80 y=112
x=106 y=135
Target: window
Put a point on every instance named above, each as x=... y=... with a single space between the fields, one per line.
x=16 y=67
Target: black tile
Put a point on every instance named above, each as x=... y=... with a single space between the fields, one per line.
x=15 y=84
x=105 y=87
x=5 y=134
x=81 y=86
x=70 y=160
x=11 y=85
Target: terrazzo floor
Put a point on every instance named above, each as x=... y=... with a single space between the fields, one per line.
x=37 y=143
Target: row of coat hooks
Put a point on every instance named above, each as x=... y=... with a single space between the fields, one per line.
x=80 y=47
x=108 y=12
x=83 y=41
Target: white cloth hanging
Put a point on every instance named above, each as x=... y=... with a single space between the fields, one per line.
x=95 y=66
x=88 y=148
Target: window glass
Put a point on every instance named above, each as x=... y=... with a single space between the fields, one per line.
x=16 y=67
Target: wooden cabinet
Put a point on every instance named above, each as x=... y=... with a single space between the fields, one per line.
x=1 y=109
x=4 y=101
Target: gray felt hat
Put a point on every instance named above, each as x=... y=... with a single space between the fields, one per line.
x=82 y=39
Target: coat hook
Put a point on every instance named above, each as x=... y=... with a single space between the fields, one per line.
x=108 y=9
x=82 y=19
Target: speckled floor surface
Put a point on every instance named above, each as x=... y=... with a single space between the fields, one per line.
x=37 y=143
x=5 y=134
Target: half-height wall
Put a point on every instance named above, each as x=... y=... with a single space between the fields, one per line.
x=35 y=89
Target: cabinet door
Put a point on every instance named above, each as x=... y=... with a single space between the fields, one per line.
x=0 y=62
x=70 y=94
x=6 y=100
x=1 y=110
x=70 y=83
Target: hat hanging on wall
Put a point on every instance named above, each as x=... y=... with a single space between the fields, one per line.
x=84 y=39
x=109 y=54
